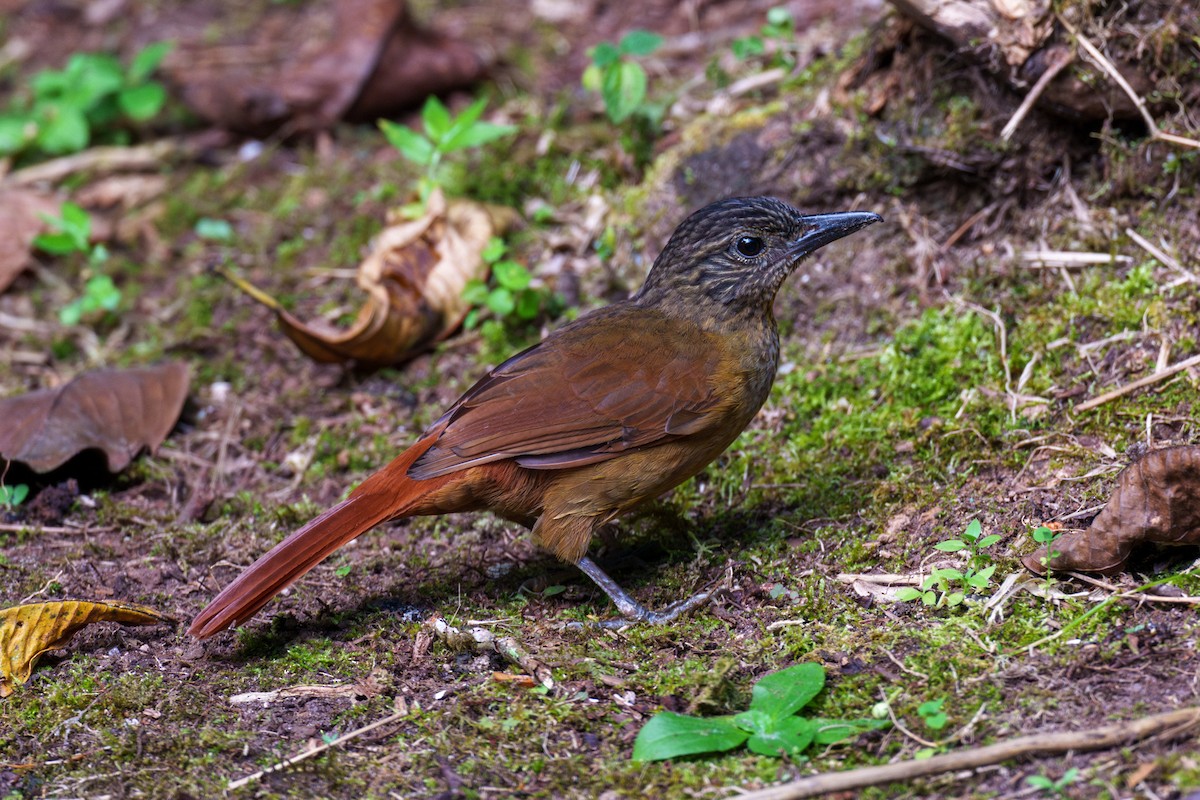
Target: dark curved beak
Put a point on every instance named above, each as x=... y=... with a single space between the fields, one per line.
x=821 y=229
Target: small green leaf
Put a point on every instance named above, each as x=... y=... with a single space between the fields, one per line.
x=142 y=102
x=56 y=244
x=511 y=275
x=412 y=145
x=928 y=598
x=783 y=693
x=779 y=16
x=931 y=712
x=669 y=735
x=1040 y=782
x=218 y=230
x=623 y=89
x=988 y=540
x=500 y=302
x=747 y=47
x=639 y=43
x=147 y=60
x=550 y=591
x=973 y=529
x=494 y=250
x=950 y=546
x=71 y=313
x=475 y=292
x=478 y=134
x=955 y=598
x=592 y=78
x=529 y=303
x=907 y=594
x=15 y=133
x=436 y=117
x=13 y=495
x=605 y=54
x=832 y=731
x=947 y=574
x=791 y=735
x=91 y=77
x=1044 y=535
x=63 y=129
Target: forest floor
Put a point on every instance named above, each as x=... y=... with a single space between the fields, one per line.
x=931 y=377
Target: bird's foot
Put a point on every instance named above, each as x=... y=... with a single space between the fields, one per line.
x=632 y=611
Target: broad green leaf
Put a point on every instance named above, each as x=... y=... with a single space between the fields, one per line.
x=947 y=573
x=950 y=546
x=59 y=243
x=409 y=143
x=907 y=594
x=955 y=598
x=511 y=275
x=500 y=302
x=462 y=122
x=639 y=43
x=142 y=102
x=832 y=731
x=974 y=528
x=988 y=540
x=76 y=220
x=605 y=54
x=478 y=134
x=13 y=495
x=931 y=712
x=147 y=60
x=436 y=117
x=64 y=129
x=785 y=692
x=669 y=735
x=754 y=721
x=102 y=293
x=747 y=47
x=791 y=735
x=623 y=89
x=92 y=76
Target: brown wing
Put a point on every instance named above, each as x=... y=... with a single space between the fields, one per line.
x=617 y=379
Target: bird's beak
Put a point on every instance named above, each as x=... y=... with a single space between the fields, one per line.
x=821 y=229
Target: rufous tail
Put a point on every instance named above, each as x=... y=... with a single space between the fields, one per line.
x=387 y=494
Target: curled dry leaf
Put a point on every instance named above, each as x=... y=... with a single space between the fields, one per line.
x=1157 y=501
x=116 y=411
x=20 y=221
x=414 y=280
x=28 y=631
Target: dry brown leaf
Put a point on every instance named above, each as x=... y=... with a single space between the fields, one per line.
x=1157 y=500
x=20 y=222
x=116 y=411
x=28 y=631
x=414 y=280
x=304 y=66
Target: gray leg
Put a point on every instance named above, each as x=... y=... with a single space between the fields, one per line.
x=631 y=609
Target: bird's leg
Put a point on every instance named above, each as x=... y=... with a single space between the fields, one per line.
x=631 y=609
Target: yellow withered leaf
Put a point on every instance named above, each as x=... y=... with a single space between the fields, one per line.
x=28 y=631
x=414 y=279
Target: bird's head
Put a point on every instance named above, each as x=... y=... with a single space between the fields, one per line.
x=737 y=252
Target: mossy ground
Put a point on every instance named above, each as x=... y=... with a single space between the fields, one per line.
x=897 y=418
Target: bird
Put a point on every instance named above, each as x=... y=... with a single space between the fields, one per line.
x=603 y=414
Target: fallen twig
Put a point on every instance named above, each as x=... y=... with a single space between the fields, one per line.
x=1059 y=59
x=313 y=751
x=1114 y=73
x=1054 y=259
x=1160 y=255
x=103 y=159
x=1171 y=723
x=481 y=640
x=1187 y=363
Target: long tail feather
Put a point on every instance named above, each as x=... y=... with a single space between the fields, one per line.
x=387 y=494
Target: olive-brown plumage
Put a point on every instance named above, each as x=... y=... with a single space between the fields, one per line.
x=604 y=413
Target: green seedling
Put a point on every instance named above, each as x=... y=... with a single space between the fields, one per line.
x=62 y=111
x=1046 y=537
x=71 y=232
x=932 y=715
x=620 y=80
x=948 y=586
x=510 y=295
x=13 y=496
x=779 y=30
x=443 y=134
x=1056 y=788
x=770 y=727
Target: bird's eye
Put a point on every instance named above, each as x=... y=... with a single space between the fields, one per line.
x=750 y=246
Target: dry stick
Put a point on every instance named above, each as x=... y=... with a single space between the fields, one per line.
x=1110 y=68
x=313 y=751
x=1118 y=734
x=1187 y=363
x=103 y=159
x=1058 y=62
x=1160 y=255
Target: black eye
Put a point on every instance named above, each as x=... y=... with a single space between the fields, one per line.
x=750 y=246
